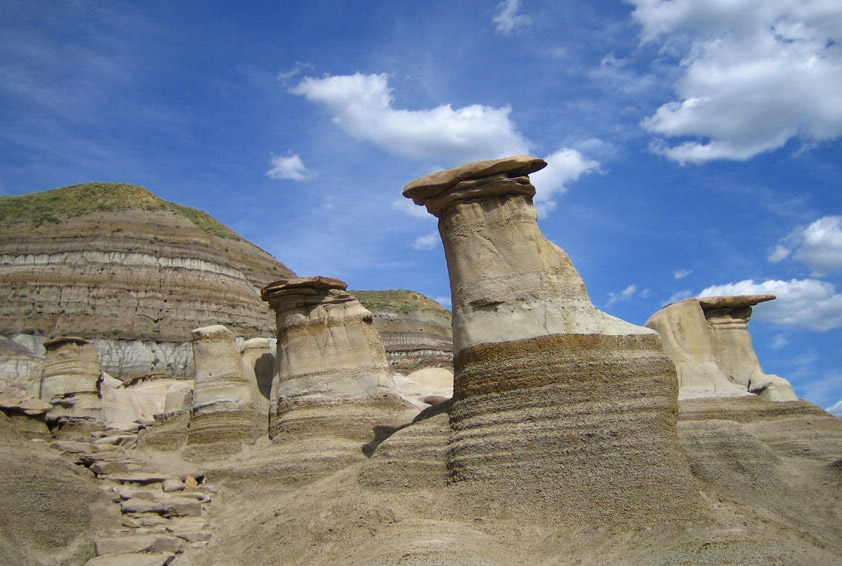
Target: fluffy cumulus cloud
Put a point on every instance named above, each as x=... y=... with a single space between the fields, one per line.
x=426 y=242
x=682 y=273
x=755 y=75
x=819 y=246
x=507 y=19
x=362 y=106
x=563 y=167
x=289 y=167
x=626 y=294
x=808 y=304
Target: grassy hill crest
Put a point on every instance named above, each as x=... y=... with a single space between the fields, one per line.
x=76 y=200
x=398 y=300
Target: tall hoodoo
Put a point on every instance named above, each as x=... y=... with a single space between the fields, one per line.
x=222 y=402
x=563 y=408
x=328 y=349
x=709 y=342
x=70 y=381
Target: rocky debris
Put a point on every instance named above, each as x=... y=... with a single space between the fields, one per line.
x=70 y=382
x=416 y=330
x=24 y=405
x=222 y=402
x=545 y=383
x=708 y=341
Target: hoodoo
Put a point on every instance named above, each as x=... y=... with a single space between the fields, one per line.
x=328 y=352
x=70 y=381
x=709 y=342
x=558 y=407
x=222 y=401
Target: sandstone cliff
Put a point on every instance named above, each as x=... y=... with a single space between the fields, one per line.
x=115 y=262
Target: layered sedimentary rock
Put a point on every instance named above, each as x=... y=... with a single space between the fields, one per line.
x=709 y=343
x=258 y=369
x=70 y=382
x=115 y=262
x=332 y=386
x=416 y=330
x=560 y=408
x=222 y=404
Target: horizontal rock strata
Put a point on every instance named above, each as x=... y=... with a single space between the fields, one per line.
x=116 y=261
x=559 y=409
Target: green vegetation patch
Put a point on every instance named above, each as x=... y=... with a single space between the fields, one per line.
x=51 y=206
x=398 y=300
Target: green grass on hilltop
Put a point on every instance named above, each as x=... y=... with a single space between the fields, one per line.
x=53 y=205
x=398 y=300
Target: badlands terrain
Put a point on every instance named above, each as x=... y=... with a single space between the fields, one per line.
x=171 y=394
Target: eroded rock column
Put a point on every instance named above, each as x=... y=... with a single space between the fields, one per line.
x=70 y=381
x=328 y=354
x=558 y=407
x=709 y=342
x=222 y=405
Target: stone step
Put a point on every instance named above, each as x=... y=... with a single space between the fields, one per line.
x=132 y=559
x=138 y=543
x=174 y=507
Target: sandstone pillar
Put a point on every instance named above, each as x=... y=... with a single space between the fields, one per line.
x=709 y=342
x=328 y=353
x=559 y=407
x=222 y=405
x=70 y=381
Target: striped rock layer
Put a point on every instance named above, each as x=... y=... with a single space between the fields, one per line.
x=559 y=409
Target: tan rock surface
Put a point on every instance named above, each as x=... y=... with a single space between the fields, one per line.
x=545 y=383
x=709 y=343
x=222 y=402
x=114 y=260
x=70 y=381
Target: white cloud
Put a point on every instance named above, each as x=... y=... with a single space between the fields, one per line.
x=779 y=342
x=289 y=167
x=756 y=74
x=623 y=295
x=564 y=166
x=680 y=296
x=507 y=19
x=426 y=242
x=682 y=273
x=408 y=207
x=836 y=410
x=808 y=304
x=444 y=301
x=361 y=106
x=819 y=246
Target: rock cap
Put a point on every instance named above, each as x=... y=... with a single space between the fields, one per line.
x=733 y=302
x=436 y=183
x=301 y=285
x=214 y=332
x=61 y=340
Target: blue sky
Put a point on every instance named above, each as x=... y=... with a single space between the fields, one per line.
x=694 y=147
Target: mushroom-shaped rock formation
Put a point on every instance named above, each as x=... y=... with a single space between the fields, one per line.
x=222 y=404
x=329 y=353
x=258 y=368
x=70 y=382
x=709 y=343
x=558 y=407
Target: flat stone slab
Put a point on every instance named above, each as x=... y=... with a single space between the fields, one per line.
x=302 y=284
x=175 y=507
x=733 y=302
x=516 y=166
x=138 y=543
x=132 y=559
x=139 y=477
